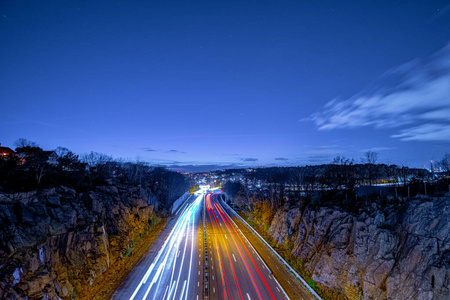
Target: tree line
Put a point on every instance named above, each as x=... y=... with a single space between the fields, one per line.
x=335 y=183
x=32 y=168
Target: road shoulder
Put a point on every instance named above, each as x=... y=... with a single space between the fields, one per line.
x=293 y=288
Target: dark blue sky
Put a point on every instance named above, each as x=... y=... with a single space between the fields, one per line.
x=228 y=82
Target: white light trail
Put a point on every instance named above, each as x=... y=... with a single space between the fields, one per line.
x=184 y=228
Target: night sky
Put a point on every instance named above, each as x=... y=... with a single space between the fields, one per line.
x=228 y=83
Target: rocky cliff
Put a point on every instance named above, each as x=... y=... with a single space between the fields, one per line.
x=55 y=242
x=398 y=251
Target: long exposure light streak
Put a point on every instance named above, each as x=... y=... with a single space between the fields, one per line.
x=159 y=274
x=223 y=214
x=221 y=267
x=230 y=262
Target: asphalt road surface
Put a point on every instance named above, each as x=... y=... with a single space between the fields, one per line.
x=236 y=270
x=176 y=270
x=202 y=254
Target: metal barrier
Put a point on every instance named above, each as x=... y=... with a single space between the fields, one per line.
x=276 y=254
x=205 y=263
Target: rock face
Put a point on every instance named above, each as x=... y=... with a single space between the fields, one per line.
x=54 y=242
x=398 y=252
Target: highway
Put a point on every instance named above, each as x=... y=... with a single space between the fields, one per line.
x=202 y=254
x=176 y=271
x=235 y=268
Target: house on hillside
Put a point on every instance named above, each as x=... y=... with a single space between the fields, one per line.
x=52 y=157
x=5 y=151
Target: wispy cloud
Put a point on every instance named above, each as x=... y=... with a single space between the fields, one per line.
x=414 y=98
x=281 y=158
x=425 y=132
x=325 y=150
x=249 y=159
x=378 y=149
x=318 y=159
x=175 y=151
x=148 y=149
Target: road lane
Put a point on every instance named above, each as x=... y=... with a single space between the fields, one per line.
x=293 y=287
x=237 y=272
x=175 y=272
x=235 y=269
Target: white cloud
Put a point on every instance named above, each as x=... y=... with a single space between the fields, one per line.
x=377 y=149
x=415 y=96
x=425 y=132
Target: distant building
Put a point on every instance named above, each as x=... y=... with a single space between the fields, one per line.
x=5 y=151
x=52 y=157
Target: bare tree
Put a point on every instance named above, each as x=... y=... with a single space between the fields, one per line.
x=35 y=159
x=370 y=157
x=22 y=143
x=298 y=177
x=445 y=162
x=95 y=158
x=340 y=173
x=61 y=151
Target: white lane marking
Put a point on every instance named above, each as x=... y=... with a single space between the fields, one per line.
x=234 y=258
x=278 y=290
x=257 y=258
x=178 y=253
x=199 y=255
x=253 y=251
x=199 y=273
x=165 y=292
x=226 y=237
x=199 y=263
x=289 y=282
x=198 y=283
x=263 y=267
x=170 y=240
x=197 y=297
x=212 y=267
x=214 y=289
x=171 y=288
x=248 y=296
x=182 y=290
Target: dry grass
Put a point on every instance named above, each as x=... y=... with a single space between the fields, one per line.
x=105 y=286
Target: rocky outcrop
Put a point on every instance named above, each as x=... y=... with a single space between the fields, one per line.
x=401 y=251
x=54 y=242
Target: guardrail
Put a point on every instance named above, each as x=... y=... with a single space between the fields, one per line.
x=285 y=263
x=179 y=202
x=260 y=258
x=205 y=262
